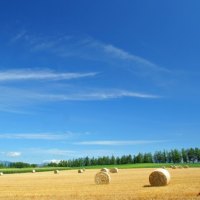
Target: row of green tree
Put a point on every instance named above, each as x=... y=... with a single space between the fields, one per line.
x=17 y=165
x=190 y=155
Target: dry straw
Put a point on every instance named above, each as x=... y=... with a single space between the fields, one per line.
x=159 y=177
x=80 y=171
x=102 y=178
x=104 y=170
x=56 y=171
x=114 y=170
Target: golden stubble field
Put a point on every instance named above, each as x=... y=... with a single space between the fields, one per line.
x=128 y=184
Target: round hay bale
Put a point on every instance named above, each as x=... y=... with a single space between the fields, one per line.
x=102 y=178
x=56 y=171
x=80 y=171
x=174 y=167
x=114 y=170
x=84 y=169
x=104 y=170
x=33 y=171
x=180 y=167
x=186 y=166
x=163 y=167
x=159 y=177
x=1 y=173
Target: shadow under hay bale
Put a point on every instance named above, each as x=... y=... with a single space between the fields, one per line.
x=104 y=170
x=102 y=178
x=114 y=170
x=56 y=171
x=147 y=186
x=159 y=177
x=80 y=171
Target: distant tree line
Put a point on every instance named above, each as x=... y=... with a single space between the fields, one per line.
x=17 y=165
x=22 y=165
x=190 y=155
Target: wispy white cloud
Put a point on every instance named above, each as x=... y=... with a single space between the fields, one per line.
x=59 y=154
x=122 y=54
x=18 y=36
x=13 y=154
x=13 y=98
x=92 y=49
x=36 y=136
x=119 y=142
x=98 y=95
x=46 y=86
x=18 y=100
x=28 y=74
x=53 y=151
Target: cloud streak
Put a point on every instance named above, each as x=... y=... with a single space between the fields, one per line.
x=98 y=95
x=36 y=136
x=51 y=86
x=118 y=53
x=58 y=154
x=91 y=49
x=28 y=74
x=13 y=98
x=13 y=154
x=119 y=143
x=53 y=151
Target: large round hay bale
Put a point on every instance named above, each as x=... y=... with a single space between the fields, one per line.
x=104 y=170
x=1 y=173
x=80 y=171
x=186 y=166
x=174 y=167
x=84 y=169
x=33 y=171
x=180 y=167
x=163 y=167
x=159 y=177
x=56 y=171
x=114 y=170
x=102 y=178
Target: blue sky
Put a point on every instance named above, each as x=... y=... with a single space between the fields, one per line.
x=93 y=78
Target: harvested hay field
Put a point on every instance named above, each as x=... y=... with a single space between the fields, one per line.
x=128 y=184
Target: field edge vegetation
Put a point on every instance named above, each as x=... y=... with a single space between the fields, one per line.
x=125 y=166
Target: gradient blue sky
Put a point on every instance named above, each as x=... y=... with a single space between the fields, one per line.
x=92 y=78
